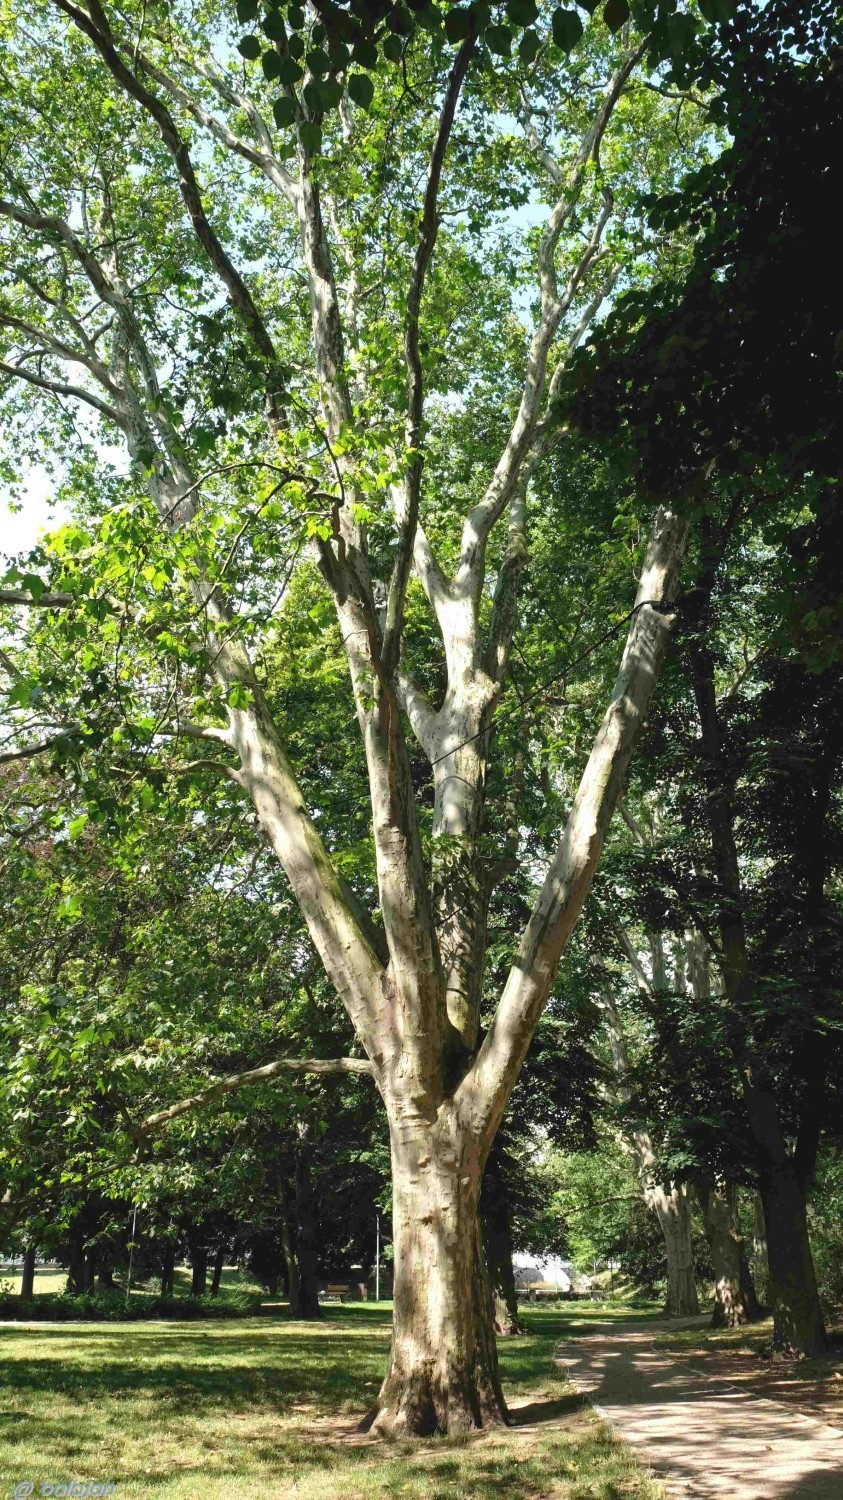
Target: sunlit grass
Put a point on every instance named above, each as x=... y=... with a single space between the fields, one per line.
x=267 y=1408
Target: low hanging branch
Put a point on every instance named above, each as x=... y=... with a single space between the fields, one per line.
x=240 y=1080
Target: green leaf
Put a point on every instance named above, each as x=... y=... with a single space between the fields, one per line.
x=34 y=585
x=250 y=46
x=457 y=23
x=77 y=827
x=567 y=29
x=529 y=46
x=311 y=136
x=361 y=89
x=318 y=61
x=289 y=71
x=273 y=26
x=499 y=40
x=295 y=17
x=331 y=91
x=393 y=48
x=271 y=64
x=402 y=23
x=366 y=54
x=681 y=30
x=615 y=14
x=313 y=97
x=715 y=10
x=522 y=12
x=247 y=10
x=339 y=55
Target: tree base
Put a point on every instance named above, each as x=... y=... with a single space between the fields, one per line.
x=413 y=1406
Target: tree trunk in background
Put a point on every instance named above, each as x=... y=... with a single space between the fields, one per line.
x=168 y=1269
x=293 y=1293
x=760 y=1267
x=306 y=1232
x=219 y=1262
x=443 y=1372
x=673 y=1211
x=719 y=1206
x=671 y=1206
x=27 y=1282
x=797 y=1316
x=798 y=1326
x=105 y=1274
x=749 y=1296
x=75 y=1263
x=498 y=1247
x=497 y=1237
x=199 y=1265
x=89 y=1270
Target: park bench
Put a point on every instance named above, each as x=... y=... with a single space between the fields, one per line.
x=334 y=1292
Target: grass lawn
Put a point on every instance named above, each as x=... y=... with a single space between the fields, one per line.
x=267 y=1408
x=740 y=1355
x=50 y=1279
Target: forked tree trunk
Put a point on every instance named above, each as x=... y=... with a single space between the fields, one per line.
x=442 y=1373
x=673 y=1211
x=798 y=1327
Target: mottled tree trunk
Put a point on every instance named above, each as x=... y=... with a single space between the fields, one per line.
x=719 y=1206
x=27 y=1282
x=673 y=1211
x=443 y=1373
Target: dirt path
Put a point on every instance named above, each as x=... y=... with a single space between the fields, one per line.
x=704 y=1438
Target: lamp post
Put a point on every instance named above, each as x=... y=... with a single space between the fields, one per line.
x=377 y=1257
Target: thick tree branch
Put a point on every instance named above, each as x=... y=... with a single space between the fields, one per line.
x=297 y=1065
x=486 y=1087
x=63 y=388
x=27 y=751
x=47 y=600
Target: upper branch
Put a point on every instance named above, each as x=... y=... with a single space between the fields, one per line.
x=94 y=23
x=264 y=158
x=484 y=515
x=429 y=229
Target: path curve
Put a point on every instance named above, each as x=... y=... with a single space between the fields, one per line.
x=703 y=1437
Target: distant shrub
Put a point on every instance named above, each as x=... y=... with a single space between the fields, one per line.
x=114 y=1307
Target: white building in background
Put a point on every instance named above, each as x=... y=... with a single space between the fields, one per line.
x=549 y=1270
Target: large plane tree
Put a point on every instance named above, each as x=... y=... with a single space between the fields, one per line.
x=283 y=294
